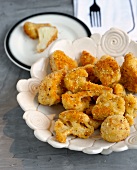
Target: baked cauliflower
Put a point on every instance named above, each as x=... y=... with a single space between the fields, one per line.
x=129 y=72
x=51 y=88
x=77 y=101
x=31 y=29
x=108 y=104
x=59 y=60
x=91 y=75
x=72 y=122
x=130 y=108
x=115 y=128
x=75 y=79
x=107 y=70
x=87 y=58
x=119 y=89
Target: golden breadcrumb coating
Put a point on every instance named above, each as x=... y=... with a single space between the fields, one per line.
x=119 y=89
x=75 y=79
x=72 y=122
x=88 y=111
x=91 y=76
x=129 y=72
x=108 y=104
x=130 y=119
x=78 y=101
x=81 y=100
x=62 y=131
x=115 y=128
x=131 y=108
x=96 y=89
x=51 y=88
x=87 y=58
x=59 y=60
x=31 y=29
x=95 y=123
x=107 y=70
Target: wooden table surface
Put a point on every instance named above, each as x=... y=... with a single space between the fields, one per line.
x=19 y=149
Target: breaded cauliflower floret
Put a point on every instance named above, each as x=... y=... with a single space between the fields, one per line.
x=46 y=36
x=81 y=100
x=96 y=89
x=31 y=29
x=88 y=111
x=108 y=104
x=72 y=122
x=107 y=70
x=87 y=58
x=115 y=128
x=51 y=88
x=129 y=72
x=95 y=123
x=119 y=89
x=78 y=101
x=131 y=108
x=59 y=60
x=75 y=79
x=91 y=76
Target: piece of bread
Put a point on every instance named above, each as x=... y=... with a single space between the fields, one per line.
x=31 y=29
x=46 y=36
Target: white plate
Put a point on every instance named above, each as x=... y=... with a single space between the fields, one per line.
x=21 y=49
x=42 y=118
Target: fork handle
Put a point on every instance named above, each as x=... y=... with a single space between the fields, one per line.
x=94 y=1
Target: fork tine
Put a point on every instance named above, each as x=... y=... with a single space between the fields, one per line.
x=94 y=18
x=99 y=18
x=91 y=21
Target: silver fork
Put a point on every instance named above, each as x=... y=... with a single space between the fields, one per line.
x=95 y=15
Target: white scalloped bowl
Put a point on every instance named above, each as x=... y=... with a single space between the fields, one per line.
x=41 y=119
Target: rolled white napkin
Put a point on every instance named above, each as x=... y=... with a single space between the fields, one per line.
x=114 y=13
